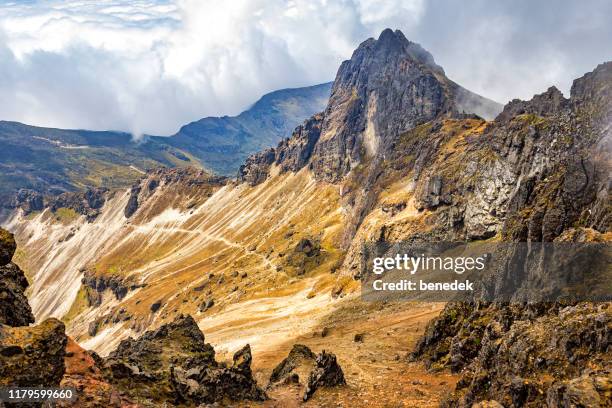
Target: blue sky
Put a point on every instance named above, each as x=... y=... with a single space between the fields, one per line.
x=149 y=66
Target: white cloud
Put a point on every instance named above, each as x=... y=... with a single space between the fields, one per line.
x=151 y=66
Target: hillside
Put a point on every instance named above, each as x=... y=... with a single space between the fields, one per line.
x=275 y=257
x=224 y=143
x=53 y=161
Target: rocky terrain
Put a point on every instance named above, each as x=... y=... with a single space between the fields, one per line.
x=273 y=258
x=30 y=355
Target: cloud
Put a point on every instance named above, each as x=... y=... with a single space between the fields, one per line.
x=150 y=66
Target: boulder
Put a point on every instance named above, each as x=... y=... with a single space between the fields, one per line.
x=300 y=361
x=326 y=374
x=174 y=365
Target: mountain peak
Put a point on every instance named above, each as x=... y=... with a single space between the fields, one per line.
x=389 y=85
x=394 y=44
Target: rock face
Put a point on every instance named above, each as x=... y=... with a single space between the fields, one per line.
x=173 y=364
x=300 y=361
x=320 y=370
x=524 y=355
x=28 y=200
x=29 y=356
x=14 y=307
x=88 y=203
x=185 y=187
x=388 y=87
x=327 y=374
x=547 y=180
x=7 y=246
x=291 y=154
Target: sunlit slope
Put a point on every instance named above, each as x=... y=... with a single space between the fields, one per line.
x=239 y=246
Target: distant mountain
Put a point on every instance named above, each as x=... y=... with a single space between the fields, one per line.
x=56 y=160
x=222 y=144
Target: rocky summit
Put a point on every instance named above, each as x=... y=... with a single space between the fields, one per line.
x=389 y=86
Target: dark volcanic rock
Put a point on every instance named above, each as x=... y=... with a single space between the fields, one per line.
x=7 y=246
x=327 y=374
x=88 y=203
x=256 y=167
x=173 y=364
x=28 y=200
x=96 y=285
x=320 y=370
x=183 y=187
x=548 y=103
x=14 y=307
x=301 y=361
x=132 y=205
x=291 y=154
x=32 y=356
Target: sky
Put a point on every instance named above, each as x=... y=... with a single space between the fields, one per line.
x=150 y=66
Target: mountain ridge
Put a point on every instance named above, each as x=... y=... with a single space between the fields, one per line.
x=54 y=161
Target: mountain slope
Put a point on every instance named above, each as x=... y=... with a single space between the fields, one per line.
x=56 y=160
x=223 y=143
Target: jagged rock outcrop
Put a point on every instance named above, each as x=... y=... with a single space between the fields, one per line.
x=88 y=203
x=552 y=156
x=256 y=168
x=28 y=200
x=296 y=367
x=132 y=204
x=30 y=356
x=95 y=286
x=327 y=374
x=523 y=355
x=173 y=364
x=7 y=246
x=291 y=154
x=548 y=103
x=14 y=307
x=304 y=366
x=183 y=187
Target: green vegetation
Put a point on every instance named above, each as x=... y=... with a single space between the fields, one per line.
x=66 y=215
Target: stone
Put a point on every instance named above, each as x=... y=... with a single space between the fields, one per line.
x=327 y=374
x=173 y=364
x=7 y=247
